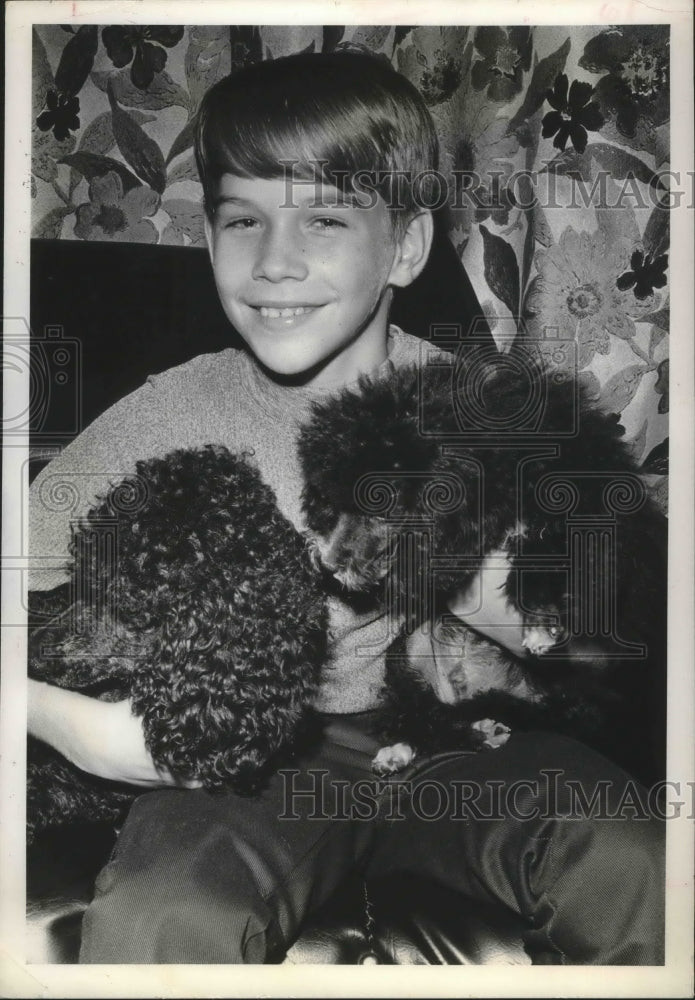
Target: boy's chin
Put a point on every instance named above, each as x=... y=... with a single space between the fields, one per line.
x=301 y=363
x=292 y=371
x=310 y=358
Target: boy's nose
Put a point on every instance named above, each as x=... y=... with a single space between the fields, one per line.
x=280 y=256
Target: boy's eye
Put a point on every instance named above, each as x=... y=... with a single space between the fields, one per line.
x=328 y=222
x=243 y=223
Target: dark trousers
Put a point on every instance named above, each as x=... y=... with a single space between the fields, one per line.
x=201 y=878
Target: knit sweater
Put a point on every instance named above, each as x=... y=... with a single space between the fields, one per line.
x=223 y=398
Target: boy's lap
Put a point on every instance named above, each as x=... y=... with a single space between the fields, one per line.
x=204 y=836
x=256 y=868
x=321 y=816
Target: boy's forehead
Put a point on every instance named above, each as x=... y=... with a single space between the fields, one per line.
x=284 y=192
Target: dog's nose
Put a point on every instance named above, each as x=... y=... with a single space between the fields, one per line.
x=328 y=562
x=319 y=555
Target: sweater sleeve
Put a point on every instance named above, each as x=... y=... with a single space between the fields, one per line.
x=71 y=483
x=185 y=407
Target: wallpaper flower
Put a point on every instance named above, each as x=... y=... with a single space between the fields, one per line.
x=555 y=146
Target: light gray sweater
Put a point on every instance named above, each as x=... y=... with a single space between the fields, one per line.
x=227 y=399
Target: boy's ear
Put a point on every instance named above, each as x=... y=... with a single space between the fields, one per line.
x=413 y=249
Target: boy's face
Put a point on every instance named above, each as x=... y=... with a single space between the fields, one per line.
x=307 y=287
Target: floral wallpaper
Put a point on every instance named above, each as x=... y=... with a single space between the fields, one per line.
x=555 y=148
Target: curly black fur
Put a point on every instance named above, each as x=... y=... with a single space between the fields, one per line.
x=211 y=620
x=378 y=462
x=494 y=455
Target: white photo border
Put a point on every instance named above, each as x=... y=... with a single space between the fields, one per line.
x=17 y=979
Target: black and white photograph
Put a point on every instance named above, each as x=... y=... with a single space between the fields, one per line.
x=347 y=568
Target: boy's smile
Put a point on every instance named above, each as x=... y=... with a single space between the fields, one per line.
x=304 y=275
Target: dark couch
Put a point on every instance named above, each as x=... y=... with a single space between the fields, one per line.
x=106 y=315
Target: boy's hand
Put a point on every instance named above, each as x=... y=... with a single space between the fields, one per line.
x=483 y=605
x=100 y=737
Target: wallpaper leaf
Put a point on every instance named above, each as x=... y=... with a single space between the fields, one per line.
x=207 y=59
x=621 y=164
x=541 y=227
x=570 y=163
x=501 y=269
x=77 y=60
x=542 y=79
x=661 y=319
x=533 y=220
x=616 y=218
x=183 y=141
x=656 y=232
x=163 y=92
x=185 y=170
x=50 y=226
x=332 y=34
x=98 y=136
x=402 y=31
x=621 y=387
x=661 y=385
x=372 y=37
x=659 y=493
x=140 y=151
x=92 y=165
x=186 y=219
x=41 y=73
x=639 y=441
x=656 y=461
x=655 y=338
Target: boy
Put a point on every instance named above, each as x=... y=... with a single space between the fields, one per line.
x=305 y=266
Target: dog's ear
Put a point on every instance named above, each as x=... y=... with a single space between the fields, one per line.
x=229 y=680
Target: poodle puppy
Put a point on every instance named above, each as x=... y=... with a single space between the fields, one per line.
x=193 y=597
x=414 y=479
x=451 y=689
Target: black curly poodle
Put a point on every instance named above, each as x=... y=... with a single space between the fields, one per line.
x=413 y=479
x=196 y=599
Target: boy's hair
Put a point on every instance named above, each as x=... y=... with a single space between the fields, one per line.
x=328 y=116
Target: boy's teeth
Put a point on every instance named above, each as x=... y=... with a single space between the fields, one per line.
x=277 y=313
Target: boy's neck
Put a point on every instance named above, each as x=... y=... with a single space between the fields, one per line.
x=364 y=355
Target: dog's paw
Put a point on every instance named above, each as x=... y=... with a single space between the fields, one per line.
x=495 y=734
x=392 y=759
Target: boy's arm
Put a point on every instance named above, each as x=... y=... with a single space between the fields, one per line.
x=101 y=737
